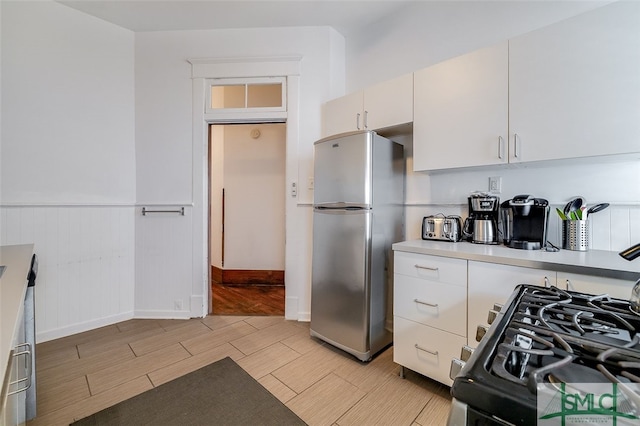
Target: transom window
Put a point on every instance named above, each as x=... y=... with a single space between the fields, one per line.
x=250 y=95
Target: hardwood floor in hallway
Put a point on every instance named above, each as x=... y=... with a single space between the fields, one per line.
x=84 y=373
x=247 y=299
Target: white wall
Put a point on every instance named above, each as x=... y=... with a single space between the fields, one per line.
x=427 y=32
x=164 y=122
x=434 y=31
x=67 y=100
x=68 y=162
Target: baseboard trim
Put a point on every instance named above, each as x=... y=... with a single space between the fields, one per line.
x=57 y=333
x=247 y=276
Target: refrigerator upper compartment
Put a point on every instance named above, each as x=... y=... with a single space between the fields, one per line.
x=345 y=174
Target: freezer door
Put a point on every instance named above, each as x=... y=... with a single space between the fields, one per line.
x=342 y=171
x=340 y=277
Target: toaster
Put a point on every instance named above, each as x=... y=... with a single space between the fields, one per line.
x=442 y=228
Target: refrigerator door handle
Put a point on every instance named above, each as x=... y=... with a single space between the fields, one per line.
x=342 y=206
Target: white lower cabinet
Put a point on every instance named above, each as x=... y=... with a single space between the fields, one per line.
x=439 y=302
x=490 y=283
x=620 y=289
x=425 y=349
x=430 y=306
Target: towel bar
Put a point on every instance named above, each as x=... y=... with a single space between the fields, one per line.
x=145 y=211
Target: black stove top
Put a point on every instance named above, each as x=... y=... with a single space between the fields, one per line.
x=547 y=336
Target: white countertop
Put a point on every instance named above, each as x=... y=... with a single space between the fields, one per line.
x=593 y=262
x=13 y=287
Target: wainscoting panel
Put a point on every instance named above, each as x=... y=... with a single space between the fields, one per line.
x=164 y=263
x=86 y=263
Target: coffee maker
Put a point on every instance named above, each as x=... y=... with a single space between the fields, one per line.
x=481 y=227
x=525 y=221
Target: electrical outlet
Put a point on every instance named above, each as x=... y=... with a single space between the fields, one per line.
x=294 y=189
x=177 y=304
x=495 y=184
x=310 y=182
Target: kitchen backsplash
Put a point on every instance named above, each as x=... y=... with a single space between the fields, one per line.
x=613 y=229
x=598 y=180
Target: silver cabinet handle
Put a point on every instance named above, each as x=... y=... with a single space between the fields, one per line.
x=428 y=268
x=358 y=121
x=27 y=379
x=516 y=146
x=420 y=348
x=366 y=120
x=500 y=147
x=433 y=305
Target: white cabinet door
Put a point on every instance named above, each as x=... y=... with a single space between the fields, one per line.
x=492 y=283
x=383 y=105
x=620 y=289
x=389 y=103
x=461 y=111
x=574 y=86
x=427 y=350
x=343 y=114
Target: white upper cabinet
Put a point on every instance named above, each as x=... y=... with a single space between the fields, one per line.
x=383 y=105
x=461 y=111
x=574 y=87
x=568 y=90
x=343 y=114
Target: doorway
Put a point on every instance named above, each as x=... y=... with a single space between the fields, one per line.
x=247 y=218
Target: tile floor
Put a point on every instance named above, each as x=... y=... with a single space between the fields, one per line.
x=84 y=373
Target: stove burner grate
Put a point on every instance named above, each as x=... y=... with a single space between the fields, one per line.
x=553 y=333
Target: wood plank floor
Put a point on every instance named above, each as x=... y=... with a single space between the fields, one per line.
x=84 y=373
x=247 y=299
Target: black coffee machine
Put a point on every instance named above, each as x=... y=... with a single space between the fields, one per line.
x=524 y=222
x=481 y=227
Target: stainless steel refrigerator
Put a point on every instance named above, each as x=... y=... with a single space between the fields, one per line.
x=358 y=214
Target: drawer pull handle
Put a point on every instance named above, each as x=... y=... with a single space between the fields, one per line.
x=433 y=305
x=425 y=350
x=428 y=268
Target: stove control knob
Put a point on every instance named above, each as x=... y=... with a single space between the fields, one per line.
x=466 y=353
x=456 y=367
x=497 y=307
x=492 y=316
x=480 y=332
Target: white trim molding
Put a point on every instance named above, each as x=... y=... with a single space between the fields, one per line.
x=245 y=67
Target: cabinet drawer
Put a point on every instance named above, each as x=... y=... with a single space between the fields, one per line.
x=434 y=268
x=438 y=305
x=424 y=349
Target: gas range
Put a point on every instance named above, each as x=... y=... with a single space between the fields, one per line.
x=547 y=338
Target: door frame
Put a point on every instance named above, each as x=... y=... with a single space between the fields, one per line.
x=201 y=71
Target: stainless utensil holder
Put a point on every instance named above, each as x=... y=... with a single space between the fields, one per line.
x=575 y=235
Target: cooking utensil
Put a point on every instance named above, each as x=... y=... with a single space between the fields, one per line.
x=561 y=214
x=597 y=208
x=574 y=204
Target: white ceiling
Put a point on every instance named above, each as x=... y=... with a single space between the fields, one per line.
x=346 y=16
